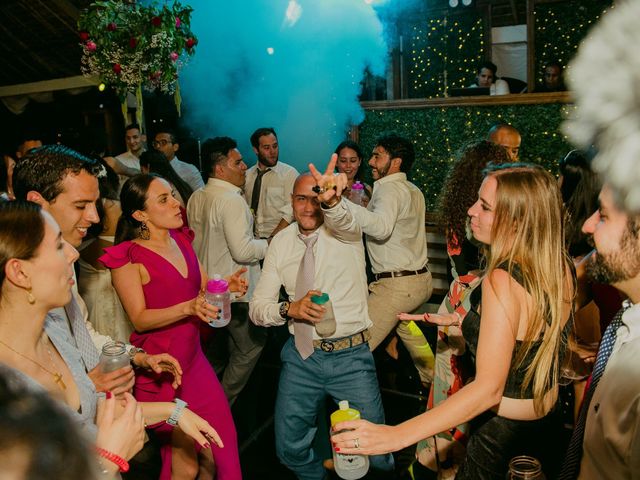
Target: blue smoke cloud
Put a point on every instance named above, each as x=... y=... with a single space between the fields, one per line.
x=300 y=73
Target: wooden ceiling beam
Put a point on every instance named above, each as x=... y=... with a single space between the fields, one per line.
x=32 y=54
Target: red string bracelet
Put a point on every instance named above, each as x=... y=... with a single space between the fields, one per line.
x=122 y=464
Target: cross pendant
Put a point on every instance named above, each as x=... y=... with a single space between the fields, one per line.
x=58 y=379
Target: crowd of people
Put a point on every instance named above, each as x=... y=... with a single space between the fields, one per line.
x=119 y=251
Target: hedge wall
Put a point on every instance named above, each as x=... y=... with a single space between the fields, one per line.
x=439 y=133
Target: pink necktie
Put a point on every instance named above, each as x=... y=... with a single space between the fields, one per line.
x=303 y=331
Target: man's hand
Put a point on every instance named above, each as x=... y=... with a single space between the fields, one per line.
x=116 y=382
x=163 y=362
x=305 y=309
x=237 y=283
x=330 y=185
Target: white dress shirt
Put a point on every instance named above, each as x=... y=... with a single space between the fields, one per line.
x=189 y=173
x=275 y=196
x=223 y=226
x=339 y=271
x=129 y=160
x=98 y=339
x=393 y=223
x=611 y=445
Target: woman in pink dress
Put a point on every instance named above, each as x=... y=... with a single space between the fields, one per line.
x=160 y=283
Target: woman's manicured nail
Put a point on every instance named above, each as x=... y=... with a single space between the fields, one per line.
x=109 y=395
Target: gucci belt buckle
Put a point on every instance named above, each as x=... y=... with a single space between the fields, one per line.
x=326 y=346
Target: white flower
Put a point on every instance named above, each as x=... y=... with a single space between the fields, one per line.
x=605 y=80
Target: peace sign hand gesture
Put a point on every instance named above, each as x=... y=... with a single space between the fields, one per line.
x=329 y=185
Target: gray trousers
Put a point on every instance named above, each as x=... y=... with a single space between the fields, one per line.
x=236 y=350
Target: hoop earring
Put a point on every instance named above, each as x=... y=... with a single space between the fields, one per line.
x=144 y=232
x=30 y=298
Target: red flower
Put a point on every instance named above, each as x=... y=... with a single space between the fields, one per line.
x=177 y=22
x=91 y=46
x=84 y=36
x=117 y=68
x=156 y=21
x=173 y=56
x=111 y=27
x=133 y=42
x=191 y=42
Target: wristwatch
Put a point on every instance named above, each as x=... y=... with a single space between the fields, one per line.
x=284 y=309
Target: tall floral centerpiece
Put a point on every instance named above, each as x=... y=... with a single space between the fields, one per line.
x=130 y=46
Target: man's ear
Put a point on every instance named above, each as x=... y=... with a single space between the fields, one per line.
x=398 y=163
x=35 y=197
x=176 y=147
x=255 y=150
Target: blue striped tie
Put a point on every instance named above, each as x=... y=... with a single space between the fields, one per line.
x=571 y=466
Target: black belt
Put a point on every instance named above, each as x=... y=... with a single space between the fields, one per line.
x=401 y=273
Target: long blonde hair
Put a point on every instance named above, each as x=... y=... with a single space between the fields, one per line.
x=527 y=233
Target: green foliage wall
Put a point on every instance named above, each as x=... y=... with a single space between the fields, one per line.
x=561 y=26
x=440 y=132
x=443 y=51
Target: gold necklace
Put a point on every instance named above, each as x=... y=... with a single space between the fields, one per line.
x=57 y=376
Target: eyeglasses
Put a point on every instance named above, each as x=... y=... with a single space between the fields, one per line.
x=161 y=143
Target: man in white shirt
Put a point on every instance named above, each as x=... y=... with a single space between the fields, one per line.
x=166 y=142
x=224 y=243
x=135 y=140
x=611 y=442
x=307 y=259
x=394 y=226
x=486 y=78
x=64 y=183
x=269 y=185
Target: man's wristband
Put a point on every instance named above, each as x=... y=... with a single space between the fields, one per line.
x=122 y=464
x=177 y=412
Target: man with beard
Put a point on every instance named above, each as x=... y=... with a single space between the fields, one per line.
x=224 y=243
x=269 y=185
x=393 y=224
x=606 y=438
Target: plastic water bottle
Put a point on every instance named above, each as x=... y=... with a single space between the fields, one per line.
x=114 y=356
x=357 y=194
x=327 y=326
x=218 y=295
x=348 y=467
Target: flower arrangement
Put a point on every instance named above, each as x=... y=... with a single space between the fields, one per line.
x=130 y=46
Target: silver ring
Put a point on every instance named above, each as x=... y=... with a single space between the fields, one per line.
x=356 y=443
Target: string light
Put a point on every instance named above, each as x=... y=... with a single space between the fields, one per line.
x=559 y=28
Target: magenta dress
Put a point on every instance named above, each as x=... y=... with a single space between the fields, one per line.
x=200 y=387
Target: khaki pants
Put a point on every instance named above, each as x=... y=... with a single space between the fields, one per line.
x=390 y=296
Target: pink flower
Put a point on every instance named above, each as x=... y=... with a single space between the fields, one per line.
x=155 y=75
x=111 y=27
x=177 y=22
x=91 y=46
x=117 y=68
x=173 y=56
x=191 y=42
x=156 y=21
x=84 y=36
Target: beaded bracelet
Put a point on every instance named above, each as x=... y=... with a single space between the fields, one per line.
x=177 y=412
x=122 y=464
